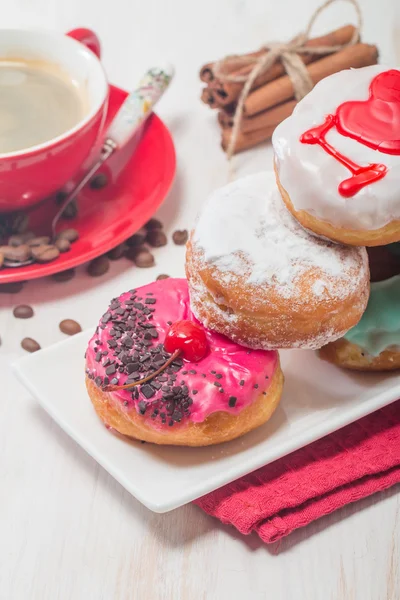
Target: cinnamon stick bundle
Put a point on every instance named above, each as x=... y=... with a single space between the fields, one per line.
x=281 y=89
x=228 y=91
x=272 y=95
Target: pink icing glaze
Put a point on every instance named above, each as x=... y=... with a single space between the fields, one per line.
x=235 y=364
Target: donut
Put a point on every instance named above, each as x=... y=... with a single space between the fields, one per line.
x=256 y=276
x=374 y=343
x=208 y=389
x=337 y=157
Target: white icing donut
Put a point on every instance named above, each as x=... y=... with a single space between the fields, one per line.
x=311 y=176
x=258 y=277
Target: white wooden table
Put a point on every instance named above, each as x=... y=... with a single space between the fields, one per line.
x=67 y=529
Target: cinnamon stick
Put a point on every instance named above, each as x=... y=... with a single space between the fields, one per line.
x=246 y=140
x=281 y=89
x=229 y=91
x=208 y=97
x=207 y=73
x=267 y=118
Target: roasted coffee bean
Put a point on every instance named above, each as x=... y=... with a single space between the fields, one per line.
x=63 y=245
x=132 y=252
x=11 y=288
x=99 y=181
x=162 y=276
x=141 y=257
x=12 y=223
x=19 y=222
x=117 y=252
x=23 y=311
x=70 y=327
x=153 y=224
x=68 y=234
x=98 y=266
x=64 y=275
x=156 y=238
x=45 y=254
x=180 y=237
x=15 y=240
x=30 y=345
x=21 y=238
x=17 y=253
x=137 y=239
x=70 y=211
x=42 y=240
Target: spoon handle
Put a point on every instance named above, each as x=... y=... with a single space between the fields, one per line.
x=139 y=104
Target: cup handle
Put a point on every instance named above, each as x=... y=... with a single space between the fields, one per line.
x=88 y=38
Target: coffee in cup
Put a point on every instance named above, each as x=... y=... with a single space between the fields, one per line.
x=38 y=102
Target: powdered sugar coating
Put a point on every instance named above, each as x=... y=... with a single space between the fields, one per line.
x=245 y=229
x=233 y=322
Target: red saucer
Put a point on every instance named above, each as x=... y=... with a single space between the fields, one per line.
x=138 y=183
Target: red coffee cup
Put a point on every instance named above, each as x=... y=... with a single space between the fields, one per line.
x=29 y=175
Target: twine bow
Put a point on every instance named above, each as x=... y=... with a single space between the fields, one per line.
x=289 y=55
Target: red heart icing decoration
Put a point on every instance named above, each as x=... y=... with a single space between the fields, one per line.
x=374 y=122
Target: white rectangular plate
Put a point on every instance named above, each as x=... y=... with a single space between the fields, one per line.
x=318 y=399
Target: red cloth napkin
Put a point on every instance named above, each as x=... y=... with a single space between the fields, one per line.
x=352 y=463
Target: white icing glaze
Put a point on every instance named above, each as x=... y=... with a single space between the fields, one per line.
x=244 y=227
x=311 y=176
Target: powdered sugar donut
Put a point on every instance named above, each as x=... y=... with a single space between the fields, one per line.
x=214 y=391
x=258 y=277
x=337 y=157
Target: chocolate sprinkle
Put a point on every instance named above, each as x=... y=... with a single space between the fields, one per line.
x=147 y=390
x=241 y=382
x=142 y=407
x=232 y=401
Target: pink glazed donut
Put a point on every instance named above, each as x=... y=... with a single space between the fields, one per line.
x=210 y=391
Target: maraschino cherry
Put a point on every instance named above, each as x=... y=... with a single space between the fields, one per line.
x=184 y=338
x=189 y=338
